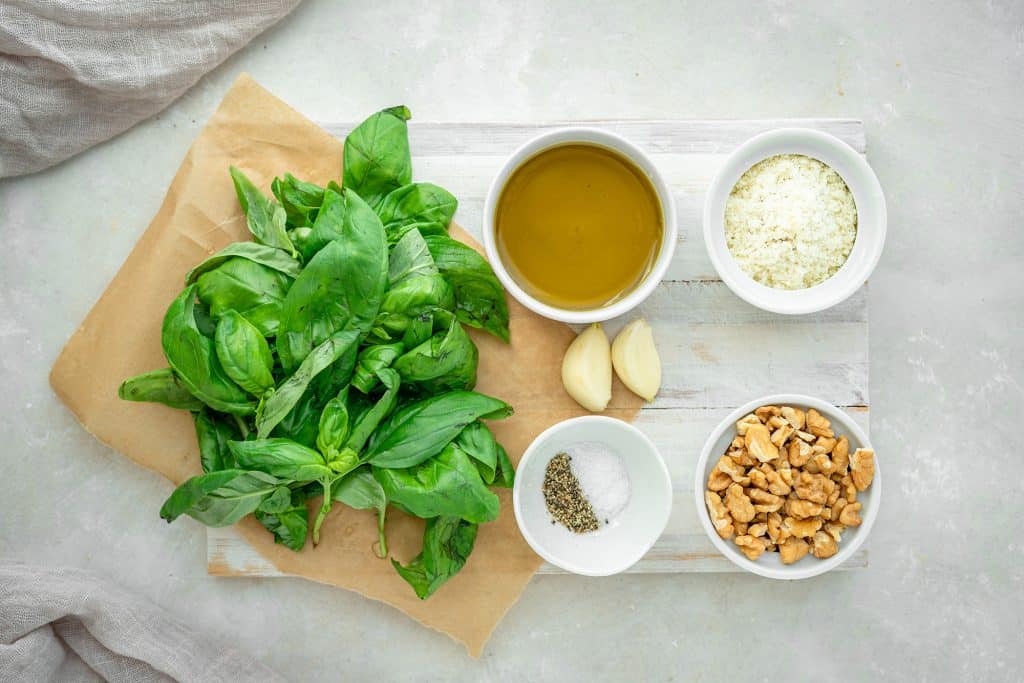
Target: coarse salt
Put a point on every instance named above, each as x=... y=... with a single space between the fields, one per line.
x=790 y=222
x=602 y=477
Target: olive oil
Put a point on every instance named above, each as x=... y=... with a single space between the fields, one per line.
x=578 y=226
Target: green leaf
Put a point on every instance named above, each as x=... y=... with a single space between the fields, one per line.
x=421 y=429
x=250 y=288
x=272 y=258
x=244 y=353
x=300 y=199
x=371 y=360
x=447 y=485
x=414 y=204
x=506 y=473
x=342 y=286
x=286 y=396
x=424 y=228
x=280 y=458
x=214 y=432
x=360 y=491
x=479 y=298
x=192 y=357
x=447 y=543
x=265 y=217
x=289 y=526
x=376 y=155
x=367 y=421
x=478 y=442
x=220 y=498
x=334 y=423
x=159 y=386
x=410 y=257
x=446 y=361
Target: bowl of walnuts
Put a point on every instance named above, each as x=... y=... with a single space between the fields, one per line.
x=788 y=487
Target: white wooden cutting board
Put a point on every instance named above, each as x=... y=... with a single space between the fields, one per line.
x=717 y=351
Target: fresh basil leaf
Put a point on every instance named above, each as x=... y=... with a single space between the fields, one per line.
x=409 y=257
x=192 y=357
x=272 y=258
x=265 y=218
x=416 y=203
x=419 y=294
x=478 y=442
x=250 y=288
x=360 y=491
x=342 y=285
x=376 y=155
x=506 y=473
x=447 y=543
x=342 y=345
x=367 y=421
x=220 y=498
x=280 y=458
x=289 y=526
x=278 y=501
x=159 y=386
x=300 y=199
x=479 y=298
x=421 y=429
x=334 y=424
x=446 y=361
x=214 y=432
x=244 y=353
x=424 y=228
x=372 y=359
x=446 y=485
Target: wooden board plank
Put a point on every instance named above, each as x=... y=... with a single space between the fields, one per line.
x=717 y=350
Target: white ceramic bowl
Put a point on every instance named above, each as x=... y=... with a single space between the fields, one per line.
x=618 y=545
x=871 y=220
x=769 y=564
x=599 y=138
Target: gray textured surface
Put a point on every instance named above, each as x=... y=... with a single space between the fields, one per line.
x=939 y=87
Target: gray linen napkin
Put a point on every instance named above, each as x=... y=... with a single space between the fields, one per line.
x=69 y=625
x=77 y=72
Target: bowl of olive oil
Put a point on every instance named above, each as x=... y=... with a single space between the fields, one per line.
x=579 y=225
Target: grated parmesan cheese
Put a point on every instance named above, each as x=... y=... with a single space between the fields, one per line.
x=790 y=222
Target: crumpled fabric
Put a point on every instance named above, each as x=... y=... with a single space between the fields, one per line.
x=69 y=625
x=76 y=72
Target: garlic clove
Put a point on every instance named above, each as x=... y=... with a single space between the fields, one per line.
x=636 y=359
x=587 y=369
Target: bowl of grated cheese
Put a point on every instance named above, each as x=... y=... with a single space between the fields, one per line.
x=794 y=221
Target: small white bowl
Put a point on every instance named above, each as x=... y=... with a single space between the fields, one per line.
x=614 y=547
x=769 y=564
x=599 y=138
x=871 y=220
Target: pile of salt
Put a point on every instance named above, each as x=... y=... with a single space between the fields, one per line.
x=602 y=477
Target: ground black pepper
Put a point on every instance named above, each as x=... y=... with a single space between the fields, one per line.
x=564 y=497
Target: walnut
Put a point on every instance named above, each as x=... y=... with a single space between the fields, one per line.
x=824 y=546
x=835 y=497
x=818 y=425
x=776 y=422
x=824 y=464
x=802 y=528
x=781 y=435
x=794 y=416
x=811 y=487
x=825 y=444
x=761 y=518
x=720 y=518
x=786 y=474
x=837 y=506
x=744 y=422
x=776 y=482
x=803 y=509
x=750 y=546
x=759 y=479
x=774 y=526
x=805 y=436
x=733 y=469
x=799 y=453
x=764 y=498
x=862 y=468
x=759 y=443
x=849 y=489
x=740 y=507
x=757 y=529
x=718 y=480
x=835 y=530
x=850 y=515
x=841 y=455
x=767 y=412
x=793 y=550
x=741 y=528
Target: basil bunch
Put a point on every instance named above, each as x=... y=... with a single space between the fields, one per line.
x=328 y=358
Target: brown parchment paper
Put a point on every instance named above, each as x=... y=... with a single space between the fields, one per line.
x=121 y=337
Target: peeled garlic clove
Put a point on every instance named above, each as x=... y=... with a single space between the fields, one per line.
x=587 y=369
x=636 y=359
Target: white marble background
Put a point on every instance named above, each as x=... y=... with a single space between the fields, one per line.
x=940 y=87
